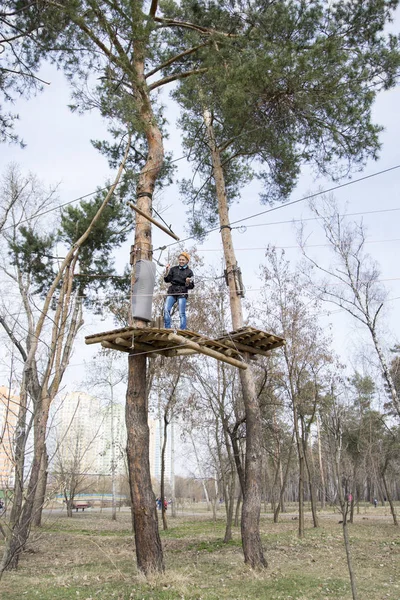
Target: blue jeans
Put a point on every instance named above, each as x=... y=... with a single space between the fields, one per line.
x=169 y=303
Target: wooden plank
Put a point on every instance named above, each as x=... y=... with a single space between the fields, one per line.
x=95 y=339
x=123 y=342
x=136 y=345
x=111 y=346
x=249 y=349
x=207 y=351
x=178 y=352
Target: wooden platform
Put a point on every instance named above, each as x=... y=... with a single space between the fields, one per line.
x=251 y=340
x=166 y=342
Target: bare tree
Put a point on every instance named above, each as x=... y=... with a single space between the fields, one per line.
x=306 y=355
x=352 y=280
x=44 y=355
x=334 y=428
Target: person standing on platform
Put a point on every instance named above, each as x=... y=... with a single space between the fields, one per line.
x=181 y=279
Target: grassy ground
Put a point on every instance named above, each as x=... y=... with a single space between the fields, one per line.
x=89 y=557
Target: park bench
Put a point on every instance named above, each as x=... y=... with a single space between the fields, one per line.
x=81 y=504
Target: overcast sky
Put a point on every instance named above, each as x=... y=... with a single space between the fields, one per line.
x=59 y=151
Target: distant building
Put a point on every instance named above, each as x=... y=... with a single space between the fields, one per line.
x=112 y=437
x=9 y=406
x=81 y=426
x=76 y=432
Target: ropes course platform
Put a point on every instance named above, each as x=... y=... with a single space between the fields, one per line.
x=156 y=341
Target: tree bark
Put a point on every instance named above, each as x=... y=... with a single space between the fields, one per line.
x=148 y=544
x=162 y=486
x=280 y=505
x=311 y=484
x=389 y=499
x=147 y=539
x=321 y=467
x=250 y=526
x=21 y=529
x=40 y=491
x=300 y=454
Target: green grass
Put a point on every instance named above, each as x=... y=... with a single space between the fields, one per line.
x=91 y=558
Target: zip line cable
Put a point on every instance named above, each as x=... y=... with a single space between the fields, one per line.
x=280 y=206
x=296 y=246
x=355 y=214
x=103 y=189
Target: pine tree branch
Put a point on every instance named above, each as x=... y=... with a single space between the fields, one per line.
x=111 y=34
x=3 y=70
x=175 y=77
x=17 y=12
x=172 y=23
x=79 y=22
x=175 y=58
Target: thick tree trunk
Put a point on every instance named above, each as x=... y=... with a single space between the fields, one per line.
x=148 y=544
x=147 y=539
x=250 y=526
x=40 y=491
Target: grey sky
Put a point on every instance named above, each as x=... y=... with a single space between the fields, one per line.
x=59 y=151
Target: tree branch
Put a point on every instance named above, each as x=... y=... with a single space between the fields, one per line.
x=172 y=23
x=175 y=77
x=12 y=337
x=175 y=58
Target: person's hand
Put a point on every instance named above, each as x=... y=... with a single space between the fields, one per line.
x=187 y=282
x=167 y=267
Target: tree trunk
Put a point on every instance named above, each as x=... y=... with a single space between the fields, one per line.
x=113 y=462
x=389 y=499
x=300 y=454
x=147 y=539
x=162 y=483
x=40 y=491
x=280 y=505
x=237 y=455
x=21 y=529
x=20 y=446
x=385 y=370
x=321 y=467
x=229 y=487
x=344 y=509
x=237 y=511
x=173 y=499
x=311 y=484
x=148 y=544
x=230 y=502
x=250 y=527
